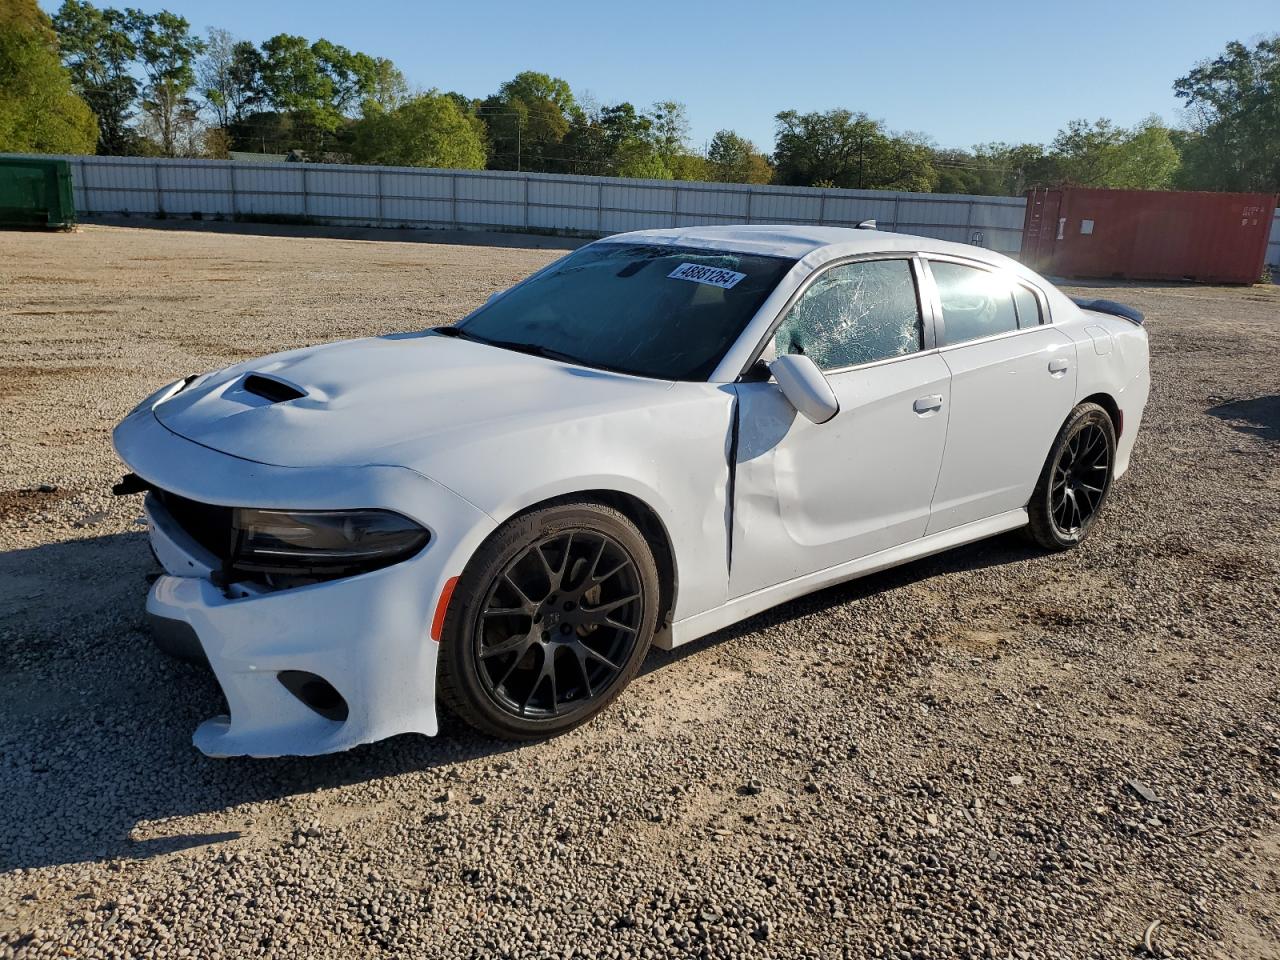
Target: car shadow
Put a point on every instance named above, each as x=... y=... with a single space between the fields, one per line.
x=95 y=735
x=984 y=554
x=1259 y=417
x=95 y=739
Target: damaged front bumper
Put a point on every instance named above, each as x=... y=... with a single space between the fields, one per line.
x=310 y=669
x=363 y=640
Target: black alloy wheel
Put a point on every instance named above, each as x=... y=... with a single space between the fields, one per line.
x=558 y=623
x=1076 y=479
x=549 y=622
x=1080 y=479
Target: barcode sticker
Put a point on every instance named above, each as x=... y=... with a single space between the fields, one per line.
x=715 y=276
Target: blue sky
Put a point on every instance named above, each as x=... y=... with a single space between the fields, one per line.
x=963 y=73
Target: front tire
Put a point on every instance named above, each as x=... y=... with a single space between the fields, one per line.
x=1075 y=481
x=549 y=622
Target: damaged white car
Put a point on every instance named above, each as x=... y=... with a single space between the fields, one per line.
x=656 y=436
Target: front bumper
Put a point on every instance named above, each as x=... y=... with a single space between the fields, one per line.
x=367 y=636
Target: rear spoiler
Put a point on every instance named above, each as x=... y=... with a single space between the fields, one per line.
x=1111 y=307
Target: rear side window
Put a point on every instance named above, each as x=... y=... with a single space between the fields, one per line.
x=852 y=314
x=975 y=303
x=1028 y=307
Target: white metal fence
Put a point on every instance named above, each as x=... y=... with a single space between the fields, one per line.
x=504 y=200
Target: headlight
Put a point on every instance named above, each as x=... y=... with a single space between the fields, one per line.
x=322 y=543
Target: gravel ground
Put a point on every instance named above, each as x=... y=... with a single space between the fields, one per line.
x=989 y=753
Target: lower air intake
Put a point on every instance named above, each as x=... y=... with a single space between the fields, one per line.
x=316 y=692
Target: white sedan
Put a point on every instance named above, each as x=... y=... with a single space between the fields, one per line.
x=656 y=436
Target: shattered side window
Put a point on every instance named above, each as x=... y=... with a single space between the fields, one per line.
x=855 y=313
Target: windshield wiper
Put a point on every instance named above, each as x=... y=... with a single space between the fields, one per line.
x=537 y=350
x=534 y=349
x=458 y=333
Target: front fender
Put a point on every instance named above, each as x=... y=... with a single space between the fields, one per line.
x=673 y=456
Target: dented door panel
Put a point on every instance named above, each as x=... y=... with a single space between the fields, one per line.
x=808 y=496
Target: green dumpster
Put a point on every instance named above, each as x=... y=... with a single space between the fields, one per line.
x=36 y=192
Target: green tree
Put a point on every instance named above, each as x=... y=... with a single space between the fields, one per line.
x=384 y=84
x=1086 y=152
x=264 y=131
x=994 y=169
x=39 y=111
x=613 y=141
x=907 y=163
x=585 y=148
x=321 y=86
x=291 y=76
x=688 y=166
x=296 y=84
x=642 y=165
x=350 y=75
x=465 y=103
x=1149 y=159
x=958 y=172
x=669 y=136
x=735 y=159
x=629 y=144
x=528 y=119
x=1015 y=168
x=535 y=88
x=669 y=129
x=426 y=131
x=98 y=48
x=846 y=149
x=167 y=51
x=1101 y=154
x=1233 y=105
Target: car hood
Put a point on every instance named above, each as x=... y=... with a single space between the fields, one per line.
x=403 y=399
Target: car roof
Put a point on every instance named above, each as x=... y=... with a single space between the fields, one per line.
x=797 y=242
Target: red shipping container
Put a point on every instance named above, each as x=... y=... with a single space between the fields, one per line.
x=1147 y=234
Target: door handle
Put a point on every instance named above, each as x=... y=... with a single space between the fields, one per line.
x=928 y=404
x=1058 y=366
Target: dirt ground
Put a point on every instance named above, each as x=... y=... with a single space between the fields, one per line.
x=992 y=753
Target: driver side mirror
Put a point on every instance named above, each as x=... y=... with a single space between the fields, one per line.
x=804 y=386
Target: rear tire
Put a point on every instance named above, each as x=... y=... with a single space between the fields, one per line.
x=1075 y=480
x=550 y=620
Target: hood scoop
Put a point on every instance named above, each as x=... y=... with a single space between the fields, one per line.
x=271 y=389
x=412 y=401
